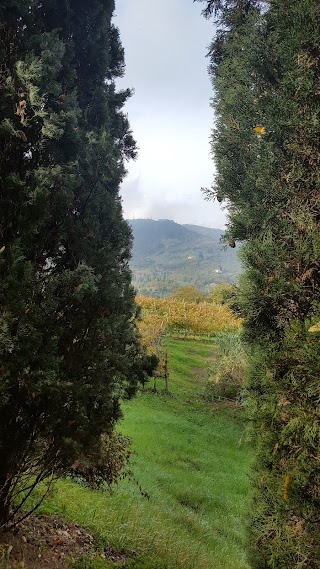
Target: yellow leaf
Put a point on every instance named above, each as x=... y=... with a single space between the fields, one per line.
x=10 y=548
x=260 y=130
x=81 y=285
x=2 y=249
x=314 y=328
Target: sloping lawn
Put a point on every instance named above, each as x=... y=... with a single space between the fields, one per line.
x=192 y=464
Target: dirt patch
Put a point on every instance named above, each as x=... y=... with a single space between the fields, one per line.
x=49 y=543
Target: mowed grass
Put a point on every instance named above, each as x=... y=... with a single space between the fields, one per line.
x=193 y=464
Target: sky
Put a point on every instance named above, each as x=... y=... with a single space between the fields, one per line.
x=165 y=44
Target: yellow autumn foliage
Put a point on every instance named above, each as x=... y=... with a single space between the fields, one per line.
x=189 y=318
x=315 y=328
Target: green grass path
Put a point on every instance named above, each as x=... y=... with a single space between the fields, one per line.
x=193 y=462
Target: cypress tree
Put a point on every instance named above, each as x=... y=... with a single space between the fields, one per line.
x=265 y=67
x=69 y=349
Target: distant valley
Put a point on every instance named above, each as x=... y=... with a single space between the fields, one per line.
x=167 y=255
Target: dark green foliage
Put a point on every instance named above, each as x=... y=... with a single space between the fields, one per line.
x=104 y=468
x=286 y=394
x=265 y=66
x=68 y=344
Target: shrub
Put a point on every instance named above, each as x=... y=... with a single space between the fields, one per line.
x=113 y=463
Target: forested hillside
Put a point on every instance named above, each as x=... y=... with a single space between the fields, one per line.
x=265 y=69
x=167 y=255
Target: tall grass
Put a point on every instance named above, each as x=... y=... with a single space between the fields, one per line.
x=226 y=375
x=193 y=468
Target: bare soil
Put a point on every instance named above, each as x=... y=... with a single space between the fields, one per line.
x=48 y=542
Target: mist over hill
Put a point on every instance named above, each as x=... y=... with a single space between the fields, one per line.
x=167 y=255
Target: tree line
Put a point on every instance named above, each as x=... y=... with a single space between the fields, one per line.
x=69 y=347
x=265 y=68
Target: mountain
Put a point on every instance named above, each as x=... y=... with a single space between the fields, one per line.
x=207 y=231
x=167 y=255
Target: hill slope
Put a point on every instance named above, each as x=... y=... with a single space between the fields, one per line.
x=193 y=466
x=167 y=255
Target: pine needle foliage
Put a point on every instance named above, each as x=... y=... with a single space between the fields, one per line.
x=69 y=349
x=265 y=69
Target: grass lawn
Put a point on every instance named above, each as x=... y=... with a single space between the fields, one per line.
x=192 y=461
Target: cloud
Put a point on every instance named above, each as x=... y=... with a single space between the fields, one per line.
x=189 y=208
x=166 y=43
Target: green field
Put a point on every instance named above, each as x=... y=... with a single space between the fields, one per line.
x=193 y=462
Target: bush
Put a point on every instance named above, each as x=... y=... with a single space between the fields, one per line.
x=113 y=463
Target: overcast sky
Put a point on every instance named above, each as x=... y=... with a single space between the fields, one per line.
x=165 y=44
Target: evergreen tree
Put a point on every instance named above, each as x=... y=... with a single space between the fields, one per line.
x=69 y=349
x=265 y=67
